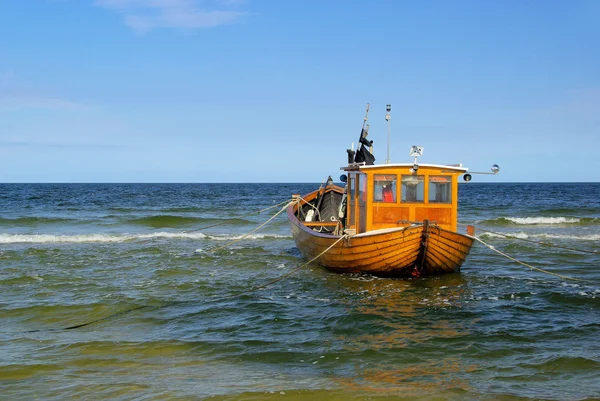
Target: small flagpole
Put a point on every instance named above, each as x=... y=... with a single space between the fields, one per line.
x=388 y=108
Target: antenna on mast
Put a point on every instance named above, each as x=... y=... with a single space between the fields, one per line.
x=388 y=108
x=365 y=131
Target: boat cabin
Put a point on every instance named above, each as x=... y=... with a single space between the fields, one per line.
x=397 y=195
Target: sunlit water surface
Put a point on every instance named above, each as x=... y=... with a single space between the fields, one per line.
x=176 y=317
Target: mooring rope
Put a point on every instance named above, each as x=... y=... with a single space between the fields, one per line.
x=250 y=290
x=239 y=294
x=253 y=231
x=291 y=272
x=298 y=200
x=241 y=217
x=526 y=264
x=534 y=242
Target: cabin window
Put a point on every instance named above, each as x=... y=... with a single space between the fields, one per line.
x=440 y=189
x=384 y=188
x=413 y=188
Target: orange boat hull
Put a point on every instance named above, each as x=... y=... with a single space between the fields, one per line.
x=417 y=250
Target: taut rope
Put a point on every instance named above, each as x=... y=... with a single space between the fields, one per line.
x=536 y=242
x=253 y=289
x=255 y=230
x=241 y=217
x=526 y=264
x=260 y=287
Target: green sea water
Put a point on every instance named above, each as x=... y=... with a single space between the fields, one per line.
x=132 y=292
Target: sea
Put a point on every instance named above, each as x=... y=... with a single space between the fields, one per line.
x=197 y=291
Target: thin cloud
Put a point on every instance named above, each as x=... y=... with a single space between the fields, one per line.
x=15 y=94
x=63 y=145
x=38 y=101
x=579 y=105
x=13 y=144
x=146 y=15
x=231 y=2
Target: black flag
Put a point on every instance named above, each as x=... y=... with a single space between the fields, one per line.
x=363 y=154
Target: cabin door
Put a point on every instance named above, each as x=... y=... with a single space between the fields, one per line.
x=361 y=185
x=352 y=202
x=357 y=199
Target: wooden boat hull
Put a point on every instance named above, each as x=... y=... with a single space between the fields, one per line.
x=415 y=250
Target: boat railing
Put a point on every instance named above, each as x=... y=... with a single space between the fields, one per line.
x=320 y=223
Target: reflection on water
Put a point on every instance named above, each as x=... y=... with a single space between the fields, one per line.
x=495 y=331
x=401 y=334
x=423 y=378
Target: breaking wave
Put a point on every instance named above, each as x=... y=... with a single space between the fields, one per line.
x=522 y=235
x=541 y=220
x=116 y=238
x=544 y=220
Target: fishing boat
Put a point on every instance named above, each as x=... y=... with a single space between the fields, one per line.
x=391 y=220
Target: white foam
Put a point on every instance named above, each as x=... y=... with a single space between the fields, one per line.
x=115 y=238
x=47 y=238
x=171 y=235
x=244 y=236
x=543 y=220
x=590 y=237
x=522 y=235
x=91 y=238
x=503 y=235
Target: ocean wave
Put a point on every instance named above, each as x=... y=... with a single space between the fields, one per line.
x=116 y=238
x=163 y=221
x=588 y=237
x=48 y=238
x=522 y=235
x=541 y=220
x=564 y=364
x=158 y=209
x=157 y=221
x=251 y=236
x=28 y=221
x=504 y=235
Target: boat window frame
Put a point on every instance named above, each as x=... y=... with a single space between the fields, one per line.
x=378 y=189
x=419 y=192
x=441 y=190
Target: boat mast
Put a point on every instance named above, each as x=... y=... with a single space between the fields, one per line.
x=364 y=132
x=388 y=108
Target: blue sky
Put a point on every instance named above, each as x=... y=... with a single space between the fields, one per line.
x=275 y=90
